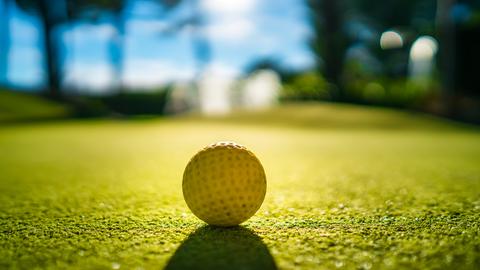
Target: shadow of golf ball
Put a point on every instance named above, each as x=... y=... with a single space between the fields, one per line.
x=222 y=248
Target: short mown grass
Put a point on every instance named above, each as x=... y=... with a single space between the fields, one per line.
x=348 y=188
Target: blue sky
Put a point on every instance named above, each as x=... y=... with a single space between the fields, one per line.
x=239 y=31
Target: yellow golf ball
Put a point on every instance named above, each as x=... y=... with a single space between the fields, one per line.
x=224 y=184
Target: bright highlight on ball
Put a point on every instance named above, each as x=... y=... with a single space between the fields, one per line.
x=224 y=184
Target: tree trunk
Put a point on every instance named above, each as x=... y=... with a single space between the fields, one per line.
x=446 y=35
x=330 y=43
x=51 y=55
x=335 y=45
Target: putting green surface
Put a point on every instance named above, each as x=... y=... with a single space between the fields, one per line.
x=347 y=188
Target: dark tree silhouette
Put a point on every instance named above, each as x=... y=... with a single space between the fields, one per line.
x=330 y=42
x=91 y=11
x=330 y=20
x=51 y=13
x=413 y=17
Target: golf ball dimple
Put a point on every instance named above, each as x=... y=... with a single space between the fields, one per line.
x=224 y=184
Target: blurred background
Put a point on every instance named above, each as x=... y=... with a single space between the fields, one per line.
x=155 y=57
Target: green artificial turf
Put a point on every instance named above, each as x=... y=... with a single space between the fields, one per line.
x=348 y=188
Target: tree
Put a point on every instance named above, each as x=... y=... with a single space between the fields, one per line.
x=51 y=14
x=331 y=21
x=91 y=11
x=330 y=42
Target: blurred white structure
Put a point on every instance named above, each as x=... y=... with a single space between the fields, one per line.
x=217 y=93
x=391 y=40
x=261 y=90
x=422 y=56
x=214 y=93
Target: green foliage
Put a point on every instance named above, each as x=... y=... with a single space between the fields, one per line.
x=369 y=189
x=137 y=103
x=361 y=86
x=364 y=87
x=306 y=86
x=393 y=92
x=123 y=104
